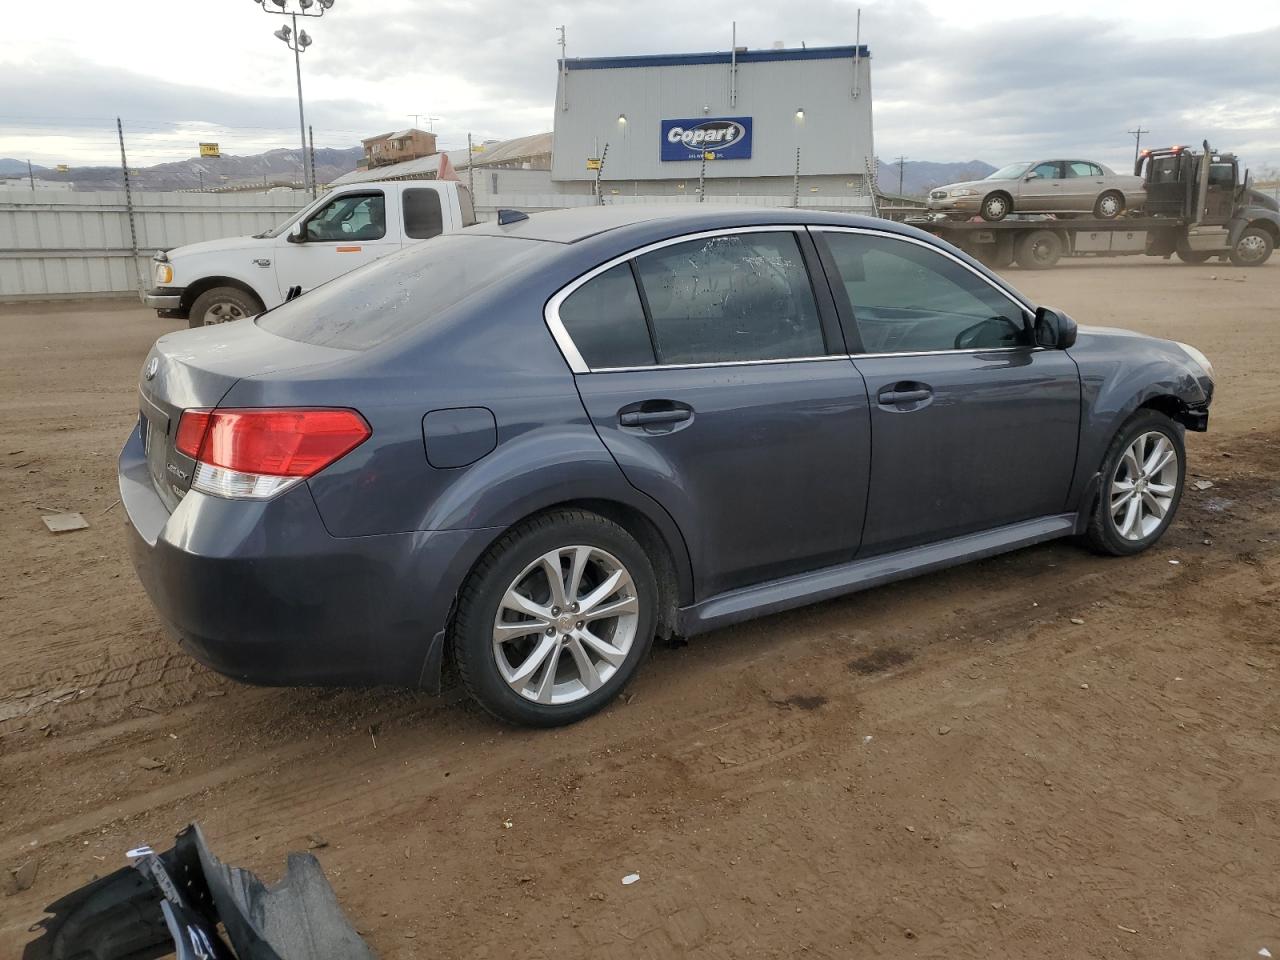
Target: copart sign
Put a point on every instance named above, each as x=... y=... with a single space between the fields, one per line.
x=725 y=138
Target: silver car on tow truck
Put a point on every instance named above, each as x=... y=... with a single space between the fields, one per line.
x=1043 y=186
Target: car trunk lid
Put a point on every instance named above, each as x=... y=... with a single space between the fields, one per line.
x=194 y=369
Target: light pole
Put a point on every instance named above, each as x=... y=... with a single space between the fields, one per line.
x=298 y=41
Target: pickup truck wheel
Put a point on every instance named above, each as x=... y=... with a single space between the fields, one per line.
x=1253 y=248
x=222 y=305
x=1039 y=250
x=995 y=207
x=1109 y=206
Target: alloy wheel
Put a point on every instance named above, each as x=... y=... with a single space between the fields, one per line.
x=566 y=624
x=1143 y=486
x=223 y=312
x=1109 y=206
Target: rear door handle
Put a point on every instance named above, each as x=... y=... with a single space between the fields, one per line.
x=893 y=397
x=644 y=418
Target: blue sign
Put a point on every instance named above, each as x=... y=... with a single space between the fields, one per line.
x=726 y=138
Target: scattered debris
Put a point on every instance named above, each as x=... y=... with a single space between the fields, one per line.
x=524 y=878
x=867 y=738
x=629 y=879
x=114 y=503
x=943 y=731
x=597 y=895
x=316 y=842
x=1121 y=926
x=1084 y=686
x=1077 y=621
x=25 y=875
x=1175 y=562
x=1203 y=484
x=374 y=730
x=150 y=763
x=910 y=829
x=1264 y=952
x=64 y=522
x=507 y=824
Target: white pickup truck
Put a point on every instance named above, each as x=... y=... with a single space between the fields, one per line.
x=221 y=280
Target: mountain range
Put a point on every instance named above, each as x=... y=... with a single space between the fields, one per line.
x=284 y=166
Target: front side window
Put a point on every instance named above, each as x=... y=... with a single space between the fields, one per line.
x=605 y=319
x=351 y=216
x=907 y=298
x=1049 y=170
x=422 y=217
x=730 y=298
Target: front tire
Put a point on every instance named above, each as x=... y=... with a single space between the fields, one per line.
x=555 y=619
x=1142 y=480
x=995 y=207
x=1253 y=249
x=1109 y=205
x=222 y=305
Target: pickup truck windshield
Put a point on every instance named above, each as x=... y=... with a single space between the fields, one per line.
x=379 y=301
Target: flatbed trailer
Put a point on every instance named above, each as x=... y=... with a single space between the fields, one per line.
x=1197 y=207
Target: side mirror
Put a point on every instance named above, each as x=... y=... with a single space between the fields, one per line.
x=1032 y=176
x=1054 y=329
x=297 y=233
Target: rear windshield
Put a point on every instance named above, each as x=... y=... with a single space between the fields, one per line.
x=389 y=296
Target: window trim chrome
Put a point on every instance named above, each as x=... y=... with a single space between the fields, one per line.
x=578 y=365
x=551 y=312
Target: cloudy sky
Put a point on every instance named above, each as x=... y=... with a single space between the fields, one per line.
x=986 y=79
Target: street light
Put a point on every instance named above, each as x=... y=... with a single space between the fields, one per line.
x=298 y=41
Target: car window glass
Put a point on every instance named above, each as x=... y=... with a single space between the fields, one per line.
x=1222 y=174
x=467 y=206
x=1048 y=170
x=350 y=217
x=1095 y=170
x=1079 y=168
x=605 y=319
x=731 y=298
x=908 y=298
x=422 y=215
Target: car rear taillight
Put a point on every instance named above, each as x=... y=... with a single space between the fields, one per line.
x=258 y=452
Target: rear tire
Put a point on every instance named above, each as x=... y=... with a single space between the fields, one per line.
x=537 y=657
x=1039 y=250
x=1115 y=528
x=1109 y=205
x=222 y=305
x=995 y=207
x=1194 y=256
x=1253 y=249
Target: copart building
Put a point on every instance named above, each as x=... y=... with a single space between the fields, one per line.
x=749 y=124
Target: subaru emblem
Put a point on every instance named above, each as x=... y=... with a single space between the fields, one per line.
x=153 y=365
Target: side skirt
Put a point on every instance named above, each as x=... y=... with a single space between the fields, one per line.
x=798 y=591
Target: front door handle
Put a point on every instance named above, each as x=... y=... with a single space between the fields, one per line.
x=645 y=418
x=896 y=397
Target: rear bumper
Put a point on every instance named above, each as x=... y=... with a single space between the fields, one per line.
x=164 y=298
x=261 y=592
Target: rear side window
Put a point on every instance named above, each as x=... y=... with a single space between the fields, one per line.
x=731 y=298
x=1080 y=168
x=422 y=216
x=408 y=289
x=605 y=319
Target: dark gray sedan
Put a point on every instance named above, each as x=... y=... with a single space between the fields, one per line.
x=534 y=446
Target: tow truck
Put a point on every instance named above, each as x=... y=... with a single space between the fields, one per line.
x=1194 y=209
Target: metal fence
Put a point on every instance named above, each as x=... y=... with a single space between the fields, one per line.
x=56 y=244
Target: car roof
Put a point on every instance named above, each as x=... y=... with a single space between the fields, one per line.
x=579 y=223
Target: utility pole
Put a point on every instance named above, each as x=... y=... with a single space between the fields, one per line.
x=128 y=205
x=471 y=164
x=298 y=41
x=901 y=161
x=795 y=182
x=1137 y=142
x=31 y=176
x=702 y=176
x=564 y=70
x=311 y=137
x=600 y=170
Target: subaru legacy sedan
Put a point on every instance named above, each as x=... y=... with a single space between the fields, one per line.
x=533 y=446
x=1044 y=186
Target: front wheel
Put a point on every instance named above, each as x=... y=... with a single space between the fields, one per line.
x=222 y=305
x=555 y=619
x=995 y=207
x=1253 y=248
x=1142 y=478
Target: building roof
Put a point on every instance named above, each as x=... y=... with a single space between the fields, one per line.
x=505 y=151
x=688 y=59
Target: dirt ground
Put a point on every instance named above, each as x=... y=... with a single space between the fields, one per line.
x=950 y=767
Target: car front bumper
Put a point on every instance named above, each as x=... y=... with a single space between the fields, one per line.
x=164 y=298
x=261 y=592
x=968 y=205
